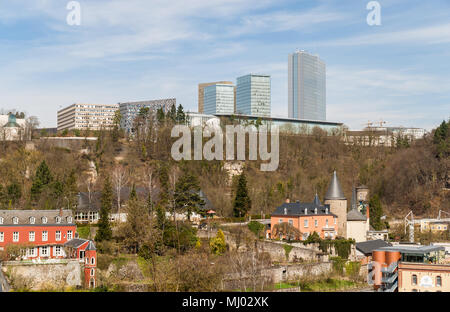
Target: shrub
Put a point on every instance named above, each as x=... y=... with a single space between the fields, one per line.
x=287 y=250
x=218 y=244
x=256 y=228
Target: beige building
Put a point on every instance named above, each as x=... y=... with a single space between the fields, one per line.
x=421 y=277
x=87 y=116
x=201 y=93
x=12 y=128
x=338 y=204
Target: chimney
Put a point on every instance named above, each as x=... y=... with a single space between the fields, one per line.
x=367 y=211
x=288 y=200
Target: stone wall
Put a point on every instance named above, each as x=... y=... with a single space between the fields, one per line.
x=297 y=253
x=37 y=276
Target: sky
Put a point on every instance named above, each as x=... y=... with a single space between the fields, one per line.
x=133 y=50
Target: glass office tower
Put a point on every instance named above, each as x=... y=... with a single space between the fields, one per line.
x=218 y=99
x=253 y=95
x=306 y=86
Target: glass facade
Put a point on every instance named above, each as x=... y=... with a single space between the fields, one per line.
x=306 y=86
x=253 y=95
x=219 y=99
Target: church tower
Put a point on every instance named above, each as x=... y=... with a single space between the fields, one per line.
x=338 y=204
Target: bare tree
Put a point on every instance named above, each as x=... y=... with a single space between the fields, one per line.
x=120 y=179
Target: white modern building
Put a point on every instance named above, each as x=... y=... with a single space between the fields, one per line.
x=306 y=86
x=219 y=99
x=253 y=95
x=87 y=116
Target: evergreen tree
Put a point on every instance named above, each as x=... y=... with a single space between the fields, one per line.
x=160 y=115
x=172 y=114
x=42 y=179
x=242 y=203
x=181 y=116
x=133 y=195
x=376 y=212
x=14 y=192
x=104 y=231
x=71 y=189
x=163 y=202
x=187 y=194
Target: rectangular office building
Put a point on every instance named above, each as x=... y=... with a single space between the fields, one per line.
x=253 y=95
x=201 y=92
x=87 y=116
x=130 y=110
x=219 y=99
x=306 y=87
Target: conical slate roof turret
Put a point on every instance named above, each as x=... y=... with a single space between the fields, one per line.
x=316 y=201
x=334 y=189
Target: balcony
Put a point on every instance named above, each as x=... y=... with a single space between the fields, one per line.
x=391 y=268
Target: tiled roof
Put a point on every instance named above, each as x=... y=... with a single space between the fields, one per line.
x=24 y=217
x=298 y=209
x=91 y=246
x=75 y=243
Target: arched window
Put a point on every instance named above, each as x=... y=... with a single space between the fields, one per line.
x=438 y=281
x=58 y=219
x=414 y=279
x=15 y=220
x=87 y=260
x=92 y=260
x=32 y=220
x=92 y=272
x=44 y=220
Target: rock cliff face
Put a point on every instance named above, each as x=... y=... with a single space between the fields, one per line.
x=39 y=276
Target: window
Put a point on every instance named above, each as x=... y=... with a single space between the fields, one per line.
x=31 y=236
x=335 y=220
x=86 y=260
x=58 y=235
x=291 y=222
x=69 y=235
x=280 y=221
x=58 y=219
x=2 y=237
x=44 y=236
x=92 y=260
x=92 y=272
x=69 y=219
x=44 y=220
x=32 y=220
x=414 y=279
x=15 y=236
x=44 y=251
x=316 y=223
x=326 y=223
x=58 y=251
x=438 y=281
x=15 y=220
x=1 y=220
x=306 y=223
x=31 y=252
x=326 y=234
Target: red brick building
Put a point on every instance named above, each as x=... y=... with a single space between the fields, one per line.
x=47 y=234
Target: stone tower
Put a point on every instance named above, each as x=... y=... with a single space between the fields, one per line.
x=338 y=204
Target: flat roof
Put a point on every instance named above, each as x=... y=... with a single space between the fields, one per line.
x=331 y=123
x=419 y=250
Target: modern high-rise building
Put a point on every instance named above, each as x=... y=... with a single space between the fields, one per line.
x=306 y=86
x=87 y=116
x=130 y=110
x=201 y=92
x=219 y=99
x=253 y=95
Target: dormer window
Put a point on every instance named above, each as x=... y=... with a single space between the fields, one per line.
x=285 y=211
x=32 y=220
x=1 y=220
x=44 y=220
x=58 y=219
x=306 y=211
x=326 y=210
x=15 y=220
x=69 y=219
x=315 y=210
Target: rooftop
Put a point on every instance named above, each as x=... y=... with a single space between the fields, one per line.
x=418 y=250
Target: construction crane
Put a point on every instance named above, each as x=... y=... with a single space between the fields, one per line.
x=410 y=223
x=382 y=122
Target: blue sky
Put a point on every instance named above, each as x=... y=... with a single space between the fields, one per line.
x=149 y=49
